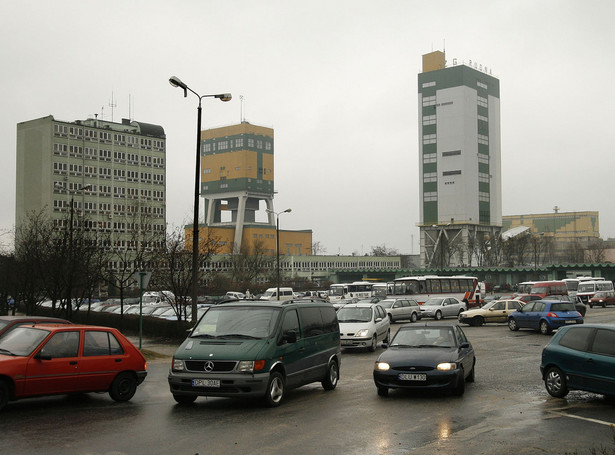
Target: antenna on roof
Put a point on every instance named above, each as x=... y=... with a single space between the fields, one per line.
x=241 y=112
x=112 y=105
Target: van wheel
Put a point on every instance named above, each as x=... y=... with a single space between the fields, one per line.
x=275 y=390
x=333 y=374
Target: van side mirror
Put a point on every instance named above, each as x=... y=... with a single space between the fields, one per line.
x=289 y=337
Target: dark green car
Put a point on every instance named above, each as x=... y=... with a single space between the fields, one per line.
x=258 y=349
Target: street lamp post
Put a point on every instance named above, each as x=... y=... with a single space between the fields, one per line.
x=277 y=245
x=176 y=82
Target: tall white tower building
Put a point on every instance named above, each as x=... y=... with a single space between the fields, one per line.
x=459 y=162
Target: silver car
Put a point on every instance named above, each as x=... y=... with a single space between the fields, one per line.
x=363 y=325
x=442 y=307
x=401 y=309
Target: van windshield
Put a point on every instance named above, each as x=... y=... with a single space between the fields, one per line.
x=237 y=322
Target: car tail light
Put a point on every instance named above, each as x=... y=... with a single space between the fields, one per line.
x=551 y=314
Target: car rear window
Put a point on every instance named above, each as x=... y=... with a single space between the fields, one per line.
x=604 y=343
x=564 y=306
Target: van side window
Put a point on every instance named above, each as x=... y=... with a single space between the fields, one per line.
x=291 y=322
x=311 y=321
x=329 y=319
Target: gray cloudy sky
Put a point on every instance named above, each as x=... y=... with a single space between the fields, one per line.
x=337 y=80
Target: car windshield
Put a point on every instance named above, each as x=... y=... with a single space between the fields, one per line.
x=600 y=294
x=424 y=337
x=22 y=341
x=237 y=322
x=433 y=302
x=564 y=306
x=354 y=314
x=488 y=305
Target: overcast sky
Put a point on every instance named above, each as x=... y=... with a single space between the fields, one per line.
x=337 y=80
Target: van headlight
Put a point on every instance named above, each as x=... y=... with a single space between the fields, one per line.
x=178 y=365
x=245 y=366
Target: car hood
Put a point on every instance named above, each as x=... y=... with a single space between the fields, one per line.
x=418 y=356
x=353 y=327
x=226 y=349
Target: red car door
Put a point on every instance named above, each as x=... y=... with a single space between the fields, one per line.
x=103 y=356
x=54 y=368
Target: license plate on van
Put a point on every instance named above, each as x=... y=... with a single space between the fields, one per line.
x=205 y=383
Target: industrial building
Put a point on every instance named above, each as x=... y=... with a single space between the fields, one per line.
x=459 y=160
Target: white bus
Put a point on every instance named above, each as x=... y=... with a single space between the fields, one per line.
x=381 y=290
x=572 y=284
x=587 y=289
x=420 y=288
x=356 y=289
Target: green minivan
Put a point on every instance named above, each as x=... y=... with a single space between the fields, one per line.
x=258 y=349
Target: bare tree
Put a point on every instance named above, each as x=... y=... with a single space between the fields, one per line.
x=173 y=269
x=252 y=265
x=382 y=250
x=596 y=251
x=318 y=248
x=131 y=253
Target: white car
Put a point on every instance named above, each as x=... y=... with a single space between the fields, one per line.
x=442 y=307
x=363 y=325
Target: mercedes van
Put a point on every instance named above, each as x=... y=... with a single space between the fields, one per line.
x=258 y=349
x=272 y=294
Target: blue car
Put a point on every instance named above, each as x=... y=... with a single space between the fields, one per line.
x=545 y=316
x=580 y=358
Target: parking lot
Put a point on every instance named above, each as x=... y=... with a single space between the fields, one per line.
x=506 y=411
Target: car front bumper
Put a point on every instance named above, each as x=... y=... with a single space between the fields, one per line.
x=437 y=380
x=355 y=342
x=230 y=385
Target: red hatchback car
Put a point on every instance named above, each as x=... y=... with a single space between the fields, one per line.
x=45 y=359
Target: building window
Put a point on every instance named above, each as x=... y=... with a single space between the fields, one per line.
x=430 y=177
x=481 y=85
x=446 y=173
x=451 y=153
x=482 y=139
x=483 y=197
x=482 y=158
x=429 y=100
x=483 y=178
x=429 y=84
x=482 y=101
x=429 y=120
x=430 y=196
x=429 y=139
x=429 y=158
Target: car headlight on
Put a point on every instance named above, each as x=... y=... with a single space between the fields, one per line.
x=362 y=333
x=178 y=365
x=447 y=366
x=382 y=366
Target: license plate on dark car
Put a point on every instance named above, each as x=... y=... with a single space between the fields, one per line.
x=412 y=377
